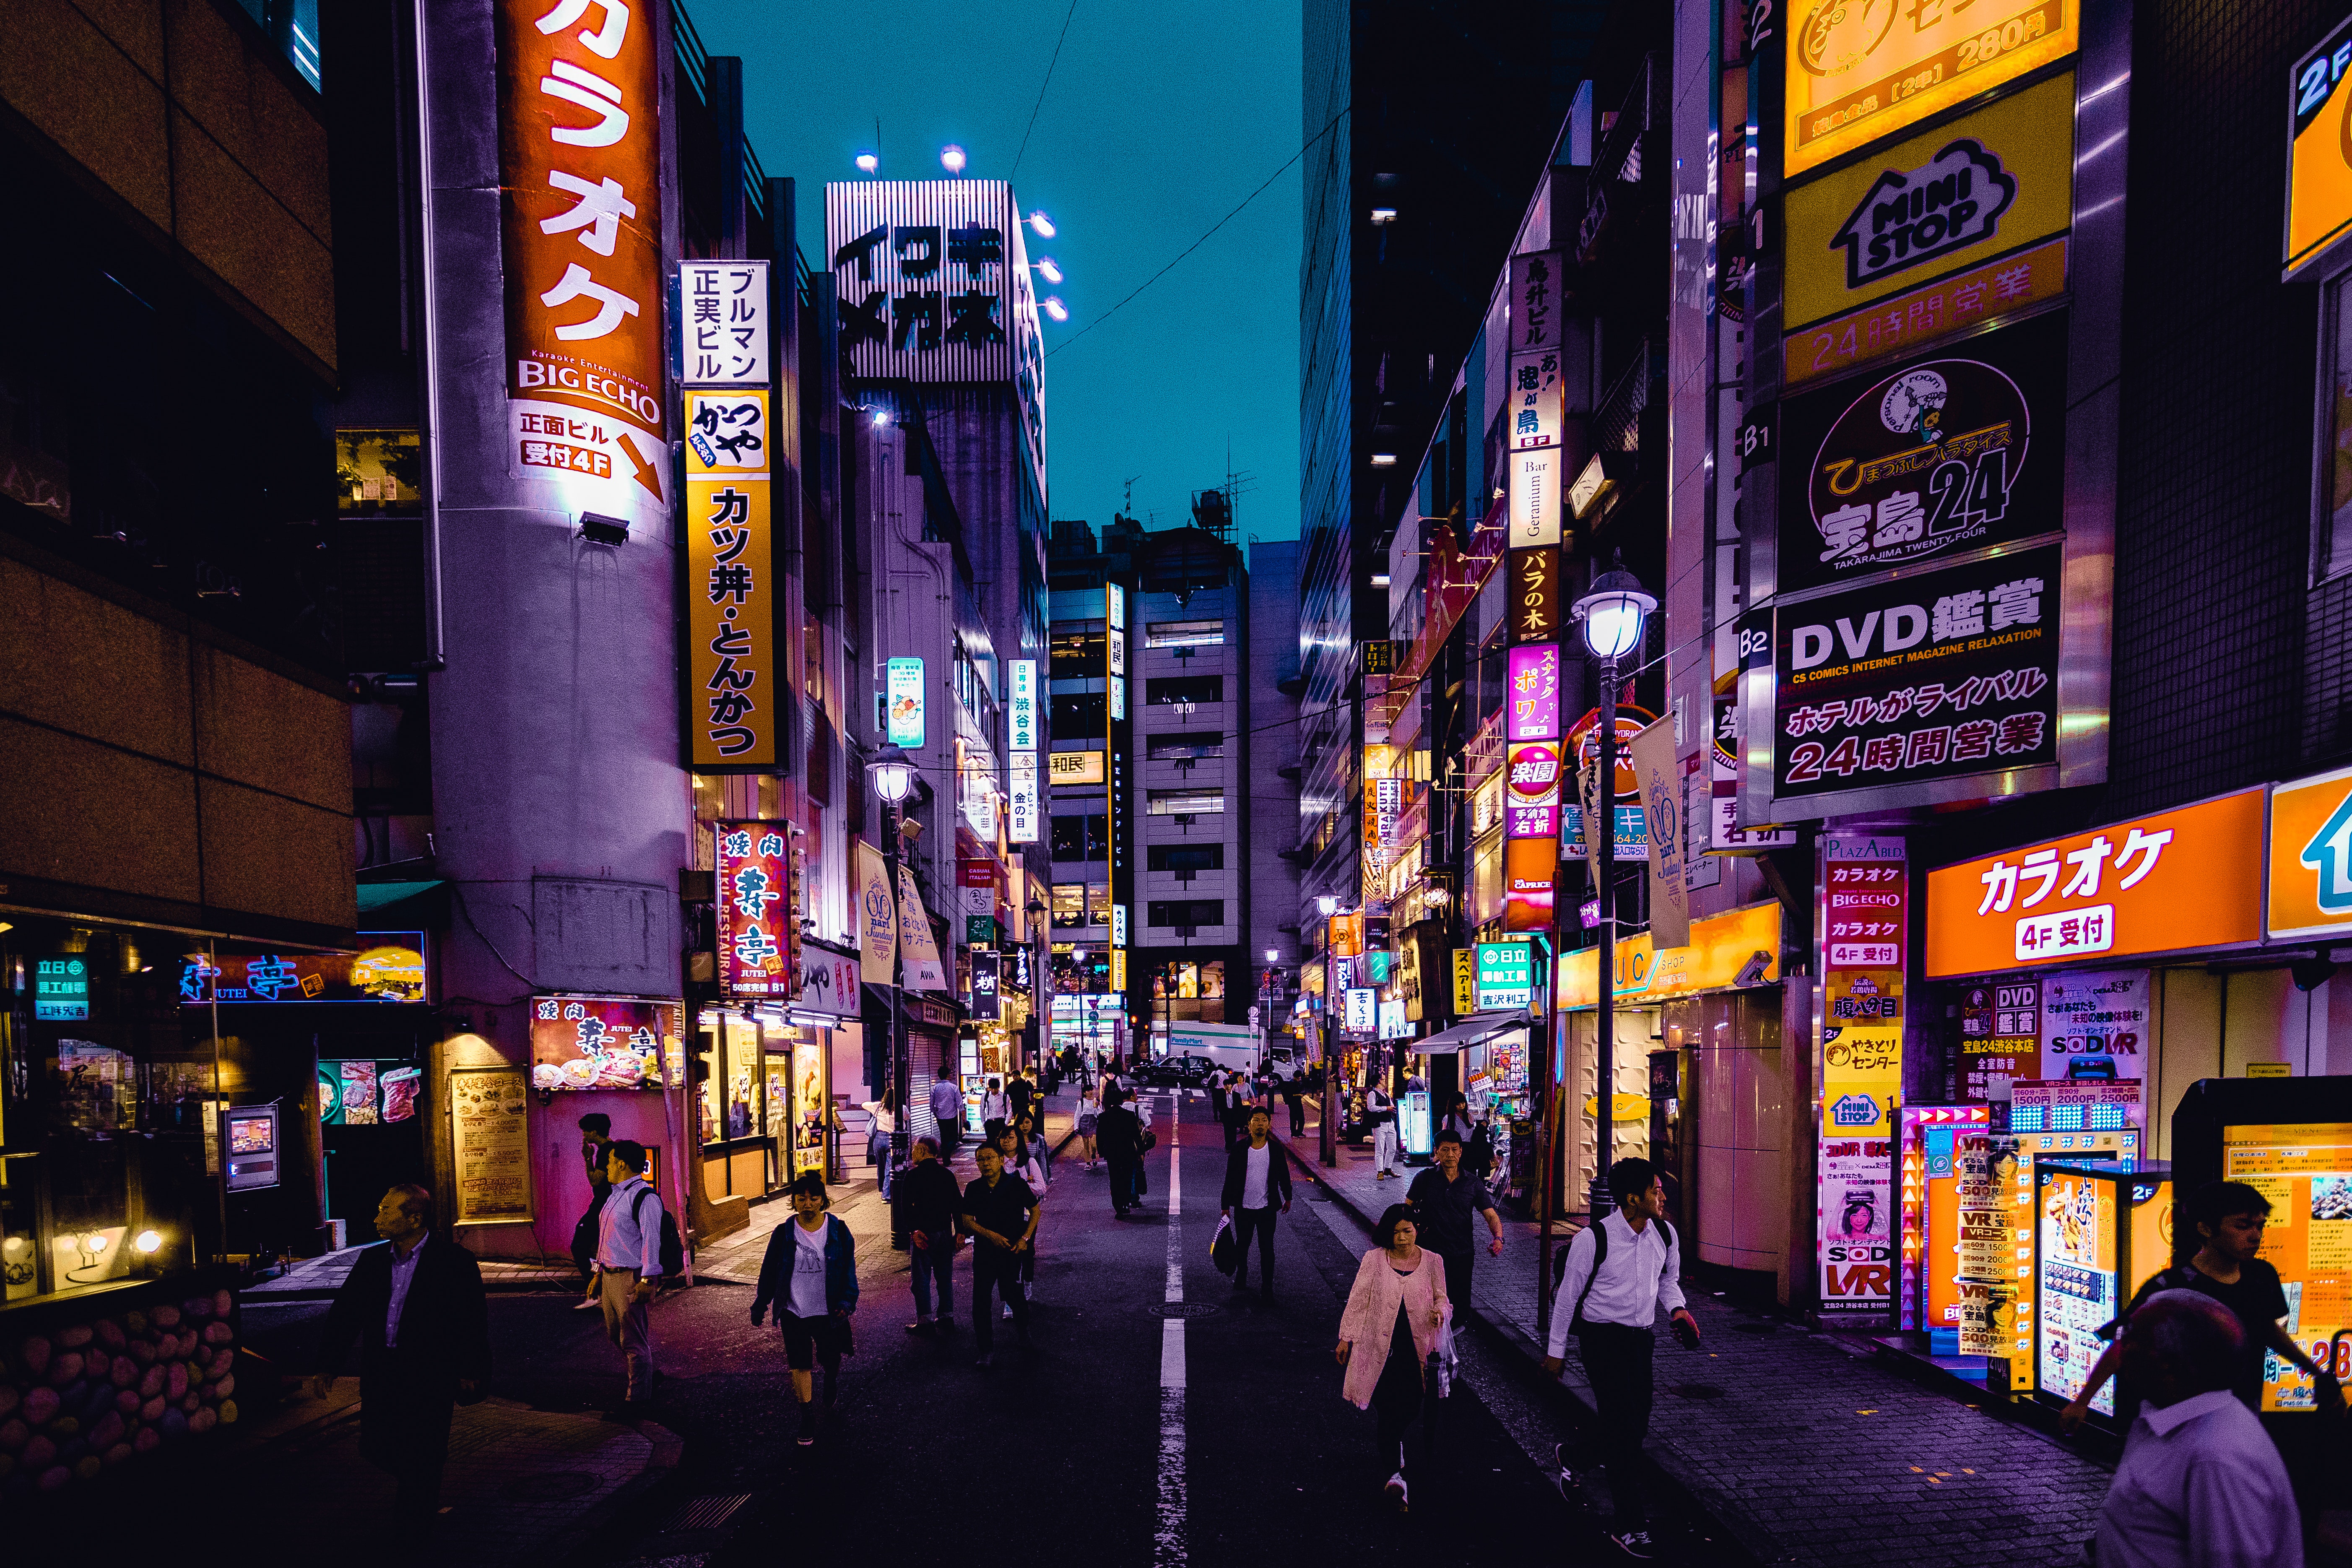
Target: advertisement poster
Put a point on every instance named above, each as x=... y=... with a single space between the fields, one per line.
x=878 y=918
x=2000 y=1038
x=1939 y=676
x=903 y=690
x=2095 y=1025
x=1866 y=899
x=1857 y=1225
x=921 y=955
x=1943 y=453
x=490 y=1145
x=599 y=1042
x=2306 y=1170
x=734 y=689
x=1660 y=773
x=2077 y=1287
x=754 y=913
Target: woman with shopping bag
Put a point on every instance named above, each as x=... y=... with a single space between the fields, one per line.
x=1395 y=1314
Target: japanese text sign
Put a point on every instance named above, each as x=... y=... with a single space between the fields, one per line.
x=2319 y=166
x=1906 y=321
x=1940 y=675
x=1537 y=303
x=753 y=876
x=61 y=986
x=1023 y=808
x=599 y=1042
x=1504 y=975
x=1538 y=461
x=1865 y=909
x=1531 y=793
x=1022 y=712
x=580 y=174
x=735 y=701
x=1535 y=594
x=2179 y=879
x=1859 y=72
x=2310 y=856
x=1534 y=695
x=724 y=335
x=903 y=690
x=389 y=967
x=930 y=277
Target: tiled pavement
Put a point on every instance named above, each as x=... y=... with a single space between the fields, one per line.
x=1802 y=1450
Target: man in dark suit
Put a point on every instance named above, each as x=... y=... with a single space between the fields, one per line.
x=1120 y=1135
x=1257 y=1180
x=416 y=1307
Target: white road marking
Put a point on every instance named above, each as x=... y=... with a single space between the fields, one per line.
x=1169 y=1546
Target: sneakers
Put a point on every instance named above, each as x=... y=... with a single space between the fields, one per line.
x=1634 y=1543
x=587 y=1304
x=1396 y=1493
x=808 y=1424
x=920 y=1326
x=1008 y=1311
x=1566 y=1479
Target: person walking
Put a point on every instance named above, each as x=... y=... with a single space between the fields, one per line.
x=1387 y=1334
x=1616 y=1276
x=1217 y=1095
x=628 y=1268
x=810 y=1273
x=1034 y=1144
x=994 y=1101
x=1444 y=1198
x=2200 y=1484
x=1120 y=1134
x=999 y=1213
x=924 y=1205
x=1238 y=1107
x=415 y=1306
x=1089 y=1110
x=1458 y=1120
x=1025 y=1157
x=1294 y=1095
x=885 y=1112
x=1257 y=1188
x=947 y=1109
x=1018 y=1094
x=1381 y=1111
x=595 y=1133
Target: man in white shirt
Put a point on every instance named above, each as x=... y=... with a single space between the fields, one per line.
x=628 y=1266
x=1257 y=1178
x=1381 y=1113
x=2200 y=1485
x=1613 y=1307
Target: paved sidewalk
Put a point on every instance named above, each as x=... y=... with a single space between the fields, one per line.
x=1803 y=1450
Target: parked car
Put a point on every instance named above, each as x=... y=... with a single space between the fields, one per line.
x=1176 y=1072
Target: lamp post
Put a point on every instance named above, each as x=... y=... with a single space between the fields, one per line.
x=1327 y=906
x=1041 y=1017
x=894 y=777
x=1613 y=616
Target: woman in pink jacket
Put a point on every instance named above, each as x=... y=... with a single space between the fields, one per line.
x=1394 y=1312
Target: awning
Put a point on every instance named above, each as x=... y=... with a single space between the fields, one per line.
x=376 y=895
x=1475 y=1030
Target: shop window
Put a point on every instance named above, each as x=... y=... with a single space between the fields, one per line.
x=1186 y=802
x=1185 y=634
x=1082 y=837
x=1185 y=688
x=1486 y=882
x=2331 y=543
x=1080 y=715
x=1080 y=652
x=1069 y=905
x=1185 y=746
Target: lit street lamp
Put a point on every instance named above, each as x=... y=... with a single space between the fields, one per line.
x=894 y=779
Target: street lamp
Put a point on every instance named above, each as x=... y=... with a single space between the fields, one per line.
x=1613 y=616
x=894 y=779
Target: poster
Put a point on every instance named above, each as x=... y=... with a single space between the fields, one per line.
x=599 y=1042
x=356 y=1093
x=877 y=919
x=2000 y=1038
x=1944 y=675
x=923 y=971
x=1943 y=453
x=2075 y=1291
x=1857 y=1225
x=490 y=1145
x=2095 y=1025
x=2306 y=1170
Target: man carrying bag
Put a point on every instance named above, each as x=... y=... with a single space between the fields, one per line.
x=1612 y=1280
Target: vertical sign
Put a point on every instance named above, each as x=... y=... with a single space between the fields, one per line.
x=987 y=976
x=1536 y=309
x=1115 y=781
x=581 y=241
x=903 y=690
x=1538 y=480
x=919 y=947
x=734 y=706
x=1863 y=922
x=723 y=340
x=490 y=1145
x=1535 y=594
x=877 y=919
x=1534 y=674
x=755 y=912
x=1661 y=775
x=1023 y=727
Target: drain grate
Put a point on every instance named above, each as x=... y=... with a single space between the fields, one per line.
x=1698 y=1391
x=1181 y=1309
x=703 y=1513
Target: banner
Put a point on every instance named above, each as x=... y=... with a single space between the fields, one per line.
x=1865 y=903
x=920 y=949
x=1660 y=773
x=877 y=919
x=1857 y=1224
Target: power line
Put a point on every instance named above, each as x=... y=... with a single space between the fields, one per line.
x=1041 y=87
x=1196 y=245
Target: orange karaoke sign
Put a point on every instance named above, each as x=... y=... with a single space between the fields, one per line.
x=2171 y=882
x=2311 y=856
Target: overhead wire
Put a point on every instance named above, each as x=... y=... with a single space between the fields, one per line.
x=1041 y=87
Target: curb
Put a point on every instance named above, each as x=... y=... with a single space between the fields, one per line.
x=1526 y=1358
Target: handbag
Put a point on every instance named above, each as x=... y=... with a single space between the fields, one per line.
x=1225 y=1251
x=1147 y=1142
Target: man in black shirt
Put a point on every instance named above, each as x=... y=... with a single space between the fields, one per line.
x=923 y=1204
x=1444 y=1198
x=1119 y=1135
x=595 y=1142
x=999 y=1213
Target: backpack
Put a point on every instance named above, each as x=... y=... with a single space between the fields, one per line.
x=672 y=1251
x=1599 y=1256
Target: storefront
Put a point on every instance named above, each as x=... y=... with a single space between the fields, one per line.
x=514 y=1139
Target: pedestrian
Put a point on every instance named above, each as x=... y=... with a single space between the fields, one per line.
x=1294 y=1095
x=1120 y=1134
x=1616 y=1276
x=1237 y=1111
x=1443 y=1198
x=809 y=1272
x=1089 y=1110
x=947 y=1109
x=1387 y=1335
x=885 y=1112
x=1458 y=1120
x=1257 y=1188
x=924 y=1205
x=2227 y=1219
x=1018 y=1093
x=1381 y=1113
x=1034 y=1144
x=1217 y=1095
x=416 y=1305
x=628 y=1268
x=999 y=1213
x=2200 y=1484
x=1022 y=1159
x=993 y=1102
x=595 y=1133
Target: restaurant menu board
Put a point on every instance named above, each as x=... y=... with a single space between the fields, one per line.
x=489 y=1143
x=2077 y=1280
x=2306 y=1170
x=599 y=1042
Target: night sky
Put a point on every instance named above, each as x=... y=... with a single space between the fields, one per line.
x=1158 y=119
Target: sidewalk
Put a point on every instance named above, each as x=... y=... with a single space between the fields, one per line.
x=1803 y=1450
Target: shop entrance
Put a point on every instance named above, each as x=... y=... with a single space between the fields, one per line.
x=370 y=1136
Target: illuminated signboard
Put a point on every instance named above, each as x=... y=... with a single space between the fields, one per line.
x=61 y=988
x=2310 y=856
x=1534 y=711
x=1858 y=72
x=1074 y=767
x=755 y=909
x=2319 y=164
x=599 y=1042
x=723 y=340
x=903 y=690
x=389 y=967
x=734 y=706
x=2306 y=1171
x=1504 y=975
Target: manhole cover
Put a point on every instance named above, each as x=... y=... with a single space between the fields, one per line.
x=1755 y=1328
x=550 y=1486
x=1698 y=1391
x=1181 y=1310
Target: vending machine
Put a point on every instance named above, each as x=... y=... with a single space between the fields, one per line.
x=2100 y=1229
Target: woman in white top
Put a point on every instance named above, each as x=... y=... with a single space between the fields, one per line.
x=885 y=1112
x=1089 y=1109
x=1022 y=1159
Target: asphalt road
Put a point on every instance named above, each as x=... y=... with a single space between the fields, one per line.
x=1059 y=1450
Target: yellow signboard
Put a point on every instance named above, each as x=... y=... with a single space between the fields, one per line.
x=1861 y=69
x=1726 y=950
x=1942 y=201
x=2319 y=163
x=2311 y=856
x=735 y=695
x=1465 y=981
x=1074 y=767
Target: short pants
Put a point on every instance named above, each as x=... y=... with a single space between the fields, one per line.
x=807 y=1339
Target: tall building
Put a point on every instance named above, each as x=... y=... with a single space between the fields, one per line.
x=1269 y=777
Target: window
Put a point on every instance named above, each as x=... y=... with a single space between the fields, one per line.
x=2332 y=554
x=1187 y=745
x=1082 y=838
x=1185 y=688
x=1079 y=651
x=1192 y=913
x=1186 y=802
x=1069 y=905
x=1185 y=858
x=1183 y=634
x=1080 y=716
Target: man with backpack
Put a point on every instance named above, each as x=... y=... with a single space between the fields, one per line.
x=636 y=1248
x=1612 y=1278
